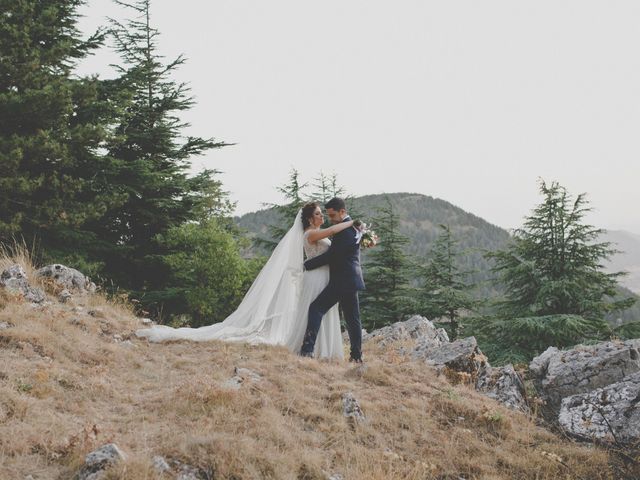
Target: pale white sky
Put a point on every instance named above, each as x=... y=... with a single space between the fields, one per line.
x=469 y=101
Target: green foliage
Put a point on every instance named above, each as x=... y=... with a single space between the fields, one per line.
x=556 y=291
x=518 y=340
x=53 y=130
x=294 y=198
x=389 y=295
x=207 y=276
x=443 y=292
x=420 y=219
x=630 y=314
x=153 y=162
x=628 y=330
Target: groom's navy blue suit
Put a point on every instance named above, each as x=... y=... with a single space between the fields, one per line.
x=343 y=258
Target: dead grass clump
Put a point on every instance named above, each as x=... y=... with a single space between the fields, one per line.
x=18 y=253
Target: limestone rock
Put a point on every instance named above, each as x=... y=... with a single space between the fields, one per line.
x=5 y=325
x=504 y=385
x=460 y=356
x=96 y=462
x=351 y=408
x=15 y=280
x=97 y=312
x=560 y=374
x=64 y=296
x=242 y=376
x=609 y=414
x=416 y=328
x=68 y=278
x=160 y=464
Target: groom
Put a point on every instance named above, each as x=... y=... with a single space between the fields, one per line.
x=345 y=281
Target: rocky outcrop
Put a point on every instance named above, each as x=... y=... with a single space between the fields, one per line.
x=461 y=356
x=559 y=374
x=592 y=391
x=68 y=278
x=417 y=328
x=609 y=414
x=461 y=360
x=505 y=385
x=14 y=280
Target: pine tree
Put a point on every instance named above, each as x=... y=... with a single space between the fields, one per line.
x=155 y=159
x=326 y=188
x=294 y=198
x=53 y=131
x=443 y=293
x=557 y=293
x=389 y=295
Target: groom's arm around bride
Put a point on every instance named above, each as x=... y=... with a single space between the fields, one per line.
x=343 y=258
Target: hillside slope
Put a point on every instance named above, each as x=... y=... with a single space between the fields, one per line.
x=73 y=377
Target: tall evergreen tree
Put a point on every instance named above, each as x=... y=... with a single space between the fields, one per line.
x=54 y=128
x=444 y=293
x=155 y=159
x=294 y=198
x=326 y=188
x=557 y=293
x=389 y=295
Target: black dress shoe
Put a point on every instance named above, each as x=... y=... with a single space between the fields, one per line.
x=306 y=354
x=355 y=360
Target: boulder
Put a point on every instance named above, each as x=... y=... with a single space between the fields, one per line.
x=351 y=408
x=68 y=278
x=416 y=328
x=96 y=462
x=160 y=464
x=559 y=374
x=242 y=376
x=503 y=384
x=14 y=279
x=460 y=356
x=610 y=414
x=64 y=296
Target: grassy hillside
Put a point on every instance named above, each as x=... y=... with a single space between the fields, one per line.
x=71 y=381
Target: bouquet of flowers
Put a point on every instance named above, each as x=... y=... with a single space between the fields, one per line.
x=368 y=237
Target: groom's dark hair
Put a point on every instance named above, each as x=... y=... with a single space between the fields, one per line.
x=336 y=203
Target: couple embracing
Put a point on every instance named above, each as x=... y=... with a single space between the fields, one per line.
x=293 y=302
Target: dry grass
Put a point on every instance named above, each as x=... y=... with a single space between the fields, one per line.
x=66 y=387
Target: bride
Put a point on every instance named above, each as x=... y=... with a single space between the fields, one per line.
x=274 y=310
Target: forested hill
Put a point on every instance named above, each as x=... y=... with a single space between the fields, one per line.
x=420 y=217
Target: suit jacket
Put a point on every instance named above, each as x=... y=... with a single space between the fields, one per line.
x=343 y=258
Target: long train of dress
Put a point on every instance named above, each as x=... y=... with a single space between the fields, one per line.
x=273 y=314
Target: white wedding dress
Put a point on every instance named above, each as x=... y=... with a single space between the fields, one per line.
x=275 y=309
x=329 y=339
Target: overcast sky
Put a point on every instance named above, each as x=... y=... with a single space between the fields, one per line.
x=469 y=101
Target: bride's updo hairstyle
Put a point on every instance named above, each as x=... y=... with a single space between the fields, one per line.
x=307 y=212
